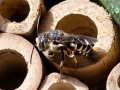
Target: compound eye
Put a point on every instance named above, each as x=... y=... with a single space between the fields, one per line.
x=41 y=43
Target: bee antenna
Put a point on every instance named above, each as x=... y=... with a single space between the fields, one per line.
x=38 y=22
x=32 y=54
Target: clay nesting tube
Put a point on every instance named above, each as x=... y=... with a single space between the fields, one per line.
x=86 y=18
x=113 y=80
x=20 y=16
x=16 y=71
x=69 y=83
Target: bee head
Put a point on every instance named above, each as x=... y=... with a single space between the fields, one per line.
x=42 y=42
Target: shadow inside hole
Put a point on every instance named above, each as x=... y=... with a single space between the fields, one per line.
x=61 y=86
x=82 y=60
x=16 y=10
x=13 y=69
x=118 y=81
x=50 y=4
x=78 y=24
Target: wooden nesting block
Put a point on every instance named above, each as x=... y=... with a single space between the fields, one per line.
x=20 y=16
x=68 y=83
x=16 y=71
x=113 y=80
x=84 y=18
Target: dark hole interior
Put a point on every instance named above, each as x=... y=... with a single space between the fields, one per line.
x=61 y=86
x=50 y=4
x=118 y=81
x=16 y=10
x=78 y=24
x=13 y=69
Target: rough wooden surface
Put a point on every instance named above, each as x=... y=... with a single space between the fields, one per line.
x=68 y=83
x=112 y=6
x=113 y=80
x=86 y=18
x=20 y=16
x=15 y=53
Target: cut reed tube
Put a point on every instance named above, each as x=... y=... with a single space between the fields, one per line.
x=113 y=80
x=113 y=7
x=69 y=83
x=20 y=16
x=16 y=71
x=84 y=18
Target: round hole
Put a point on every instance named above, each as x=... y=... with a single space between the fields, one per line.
x=16 y=10
x=81 y=25
x=61 y=86
x=78 y=24
x=13 y=69
x=118 y=81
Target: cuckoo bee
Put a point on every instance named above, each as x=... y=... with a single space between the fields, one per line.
x=59 y=41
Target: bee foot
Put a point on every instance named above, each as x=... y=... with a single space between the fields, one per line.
x=71 y=55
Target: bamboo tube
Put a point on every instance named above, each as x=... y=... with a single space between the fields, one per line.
x=86 y=18
x=68 y=83
x=16 y=71
x=20 y=16
x=113 y=80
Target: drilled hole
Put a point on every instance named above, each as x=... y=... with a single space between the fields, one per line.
x=13 y=69
x=78 y=24
x=61 y=86
x=14 y=10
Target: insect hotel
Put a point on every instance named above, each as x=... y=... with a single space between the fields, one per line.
x=59 y=45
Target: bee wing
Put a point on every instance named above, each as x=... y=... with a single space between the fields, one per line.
x=81 y=39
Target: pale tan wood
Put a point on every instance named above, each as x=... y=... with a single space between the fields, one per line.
x=86 y=18
x=113 y=80
x=67 y=82
x=15 y=53
x=25 y=10
x=43 y=8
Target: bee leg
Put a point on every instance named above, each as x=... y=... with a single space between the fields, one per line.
x=75 y=60
x=61 y=73
x=72 y=54
x=86 y=54
x=75 y=63
x=61 y=65
x=69 y=53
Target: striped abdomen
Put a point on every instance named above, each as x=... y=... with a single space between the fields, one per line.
x=80 y=48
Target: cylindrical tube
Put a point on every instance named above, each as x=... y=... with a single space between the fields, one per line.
x=112 y=6
x=16 y=71
x=51 y=82
x=89 y=19
x=20 y=16
x=113 y=80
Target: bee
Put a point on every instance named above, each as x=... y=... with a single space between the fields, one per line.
x=59 y=41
